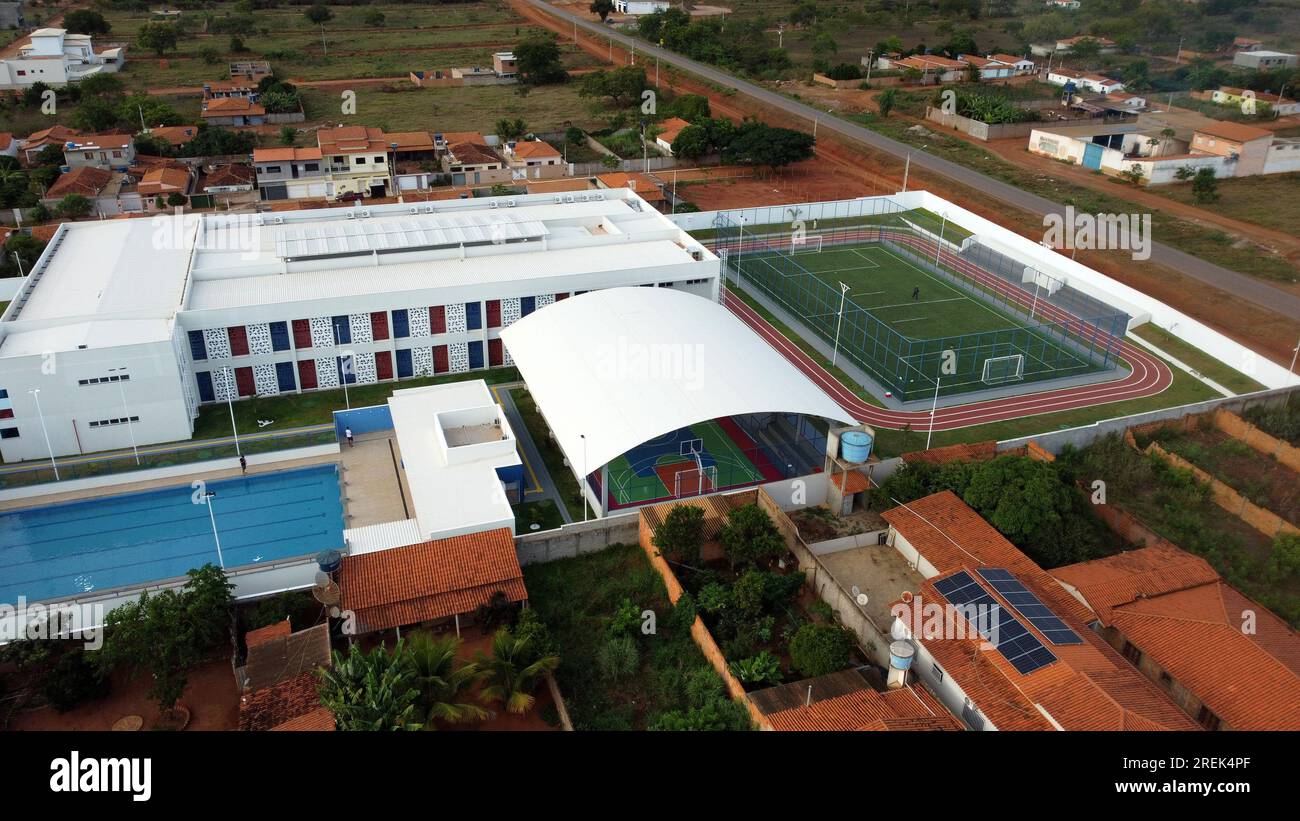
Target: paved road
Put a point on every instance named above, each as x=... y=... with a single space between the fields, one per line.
x=1245 y=287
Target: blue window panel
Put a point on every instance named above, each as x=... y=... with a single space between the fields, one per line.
x=347 y=370
x=342 y=330
x=404 y=367
x=284 y=375
x=4 y=393
x=279 y=336
x=401 y=324
x=198 y=348
x=476 y=354
x=206 y=394
x=473 y=318
x=527 y=304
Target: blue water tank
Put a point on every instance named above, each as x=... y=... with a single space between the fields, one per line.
x=329 y=560
x=901 y=654
x=855 y=446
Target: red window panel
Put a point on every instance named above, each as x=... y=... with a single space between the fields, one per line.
x=438 y=319
x=384 y=364
x=244 y=382
x=307 y=374
x=6 y=413
x=558 y=297
x=494 y=313
x=379 y=324
x=238 y=340
x=301 y=333
x=495 y=357
x=440 y=359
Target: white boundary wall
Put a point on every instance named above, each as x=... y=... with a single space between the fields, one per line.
x=1078 y=276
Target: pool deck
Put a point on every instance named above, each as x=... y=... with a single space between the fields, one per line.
x=376 y=491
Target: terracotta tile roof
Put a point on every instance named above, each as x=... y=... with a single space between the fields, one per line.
x=857 y=482
x=231 y=107
x=535 y=149
x=228 y=175
x=472 y=154
x=85 y=180
x=6 y=140
x=954 y=453
x=281 y=657
x=320 y=719
x=96 y=142
x=164 y=181
x=908 y=708
x=285 y=154
x=431 y=580
x=54 y=135
x=716 y=507
x=174 y=134
x=643 y=185
x=411 y=140
x=1233 y=131
x=1089 y=687
x=279 y=630
x=1009 y=58
x=352 y=139
x=1173 y=607
x=292 y=700
x=449 y=137
x=560 y=186
x=670 y=128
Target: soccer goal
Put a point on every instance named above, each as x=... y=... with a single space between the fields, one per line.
x=807 y=244
x=695 y=481
x=1001 y=369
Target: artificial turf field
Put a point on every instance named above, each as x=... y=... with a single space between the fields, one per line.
x=646 y=472
x=882 y=283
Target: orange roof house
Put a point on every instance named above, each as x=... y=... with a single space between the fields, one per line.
x=352 y=139
x=844 y=702
x=1066 y=679
x=1171 y=614
x=535 y=150
x=670 y=128
x=86 y=180
x=220 y=107
x=174 y=134
x=163 y=180
x=431 y=580
x=285 y=154
x=645 y=186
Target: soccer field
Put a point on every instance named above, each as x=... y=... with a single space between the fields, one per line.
x=907 y=326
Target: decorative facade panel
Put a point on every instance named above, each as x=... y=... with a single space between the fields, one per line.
x=365 y=367
x=327 y=372
x=509 y=311
x=456 y=320
x=264 y=378
x=418 y=321
x=362 y=330
x=322 y=332
x=217 y=341
x=259 y=340
x=458 y=354
x=422 y=361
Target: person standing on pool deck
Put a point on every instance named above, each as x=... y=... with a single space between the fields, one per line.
x=243 y=464
x=916 y=293
x=347 y=434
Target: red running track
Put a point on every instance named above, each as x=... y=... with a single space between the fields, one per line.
x=1149 y=375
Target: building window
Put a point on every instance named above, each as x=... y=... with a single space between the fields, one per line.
x=527 y=304
x=103 y=423
x=1131 y=653
x=342 y=329
x=1207 y=719
x=938 y=672
x=99 y=380
x=360 y=160
x=271 y=169
x=198 y=348
x=473 y=318
x=204 y=379
x=8 y=433
x=311 y=166
x=401 y=324
x=379 y=160
x=279 y=336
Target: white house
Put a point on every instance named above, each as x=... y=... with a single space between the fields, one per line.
x=640 y=6
x=56 y=58
x=1084 y=81
x=989 y=68
x=1069 y=5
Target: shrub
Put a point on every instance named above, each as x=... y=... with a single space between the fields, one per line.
x=681 y=535
x=747 y=594
x=714 y=599
x=818 y=649
x=749 y=537
x=74 y=680
x=763 y=668
x=618 y=658
x=626 y=620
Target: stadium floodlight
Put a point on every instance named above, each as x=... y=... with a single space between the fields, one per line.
x=938 y=244
x=933 y=409
x=835 y=352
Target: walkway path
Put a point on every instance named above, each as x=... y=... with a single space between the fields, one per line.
x=541 y=485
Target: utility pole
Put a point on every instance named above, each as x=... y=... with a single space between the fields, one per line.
x=324 y=46
x=907 y=166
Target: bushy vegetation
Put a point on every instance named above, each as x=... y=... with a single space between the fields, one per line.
x=989 y=107
x=614 y=674
x=1282 y=422
x=746 y=47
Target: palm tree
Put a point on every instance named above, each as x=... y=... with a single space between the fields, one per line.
x=514 y=669
x=371 y=691
x=440 y=680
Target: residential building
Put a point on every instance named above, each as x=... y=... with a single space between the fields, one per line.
x=1246 y=44
x=1084 y=81
x=668 y=131
x=37 y=141
x=228 y=179
x=8 y=145
x=1262 y=101
x=99 y=185
x=232 y=111
x=639 y=7
x=470 y=161
x=163 y=181
x=174 y=135
x=846 y=701
x=56 y=58
x=235 y=87
x=279 y=677
x=1246 y=145
x=999 y=642
x=1069 y=5
x=109 y=151
x=645 y=186
x=250 y=69
x=1171 y=615
x=933 y=68
x=202 y=307
x=291 y=174
x=1263 y=60
x=357 y=159
x=1067 y=45
x=989 y=68
x=504 y=64
x=416 y=159
x=1022 y=65
x=534 y=160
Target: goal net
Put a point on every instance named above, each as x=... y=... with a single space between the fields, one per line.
x=1000 y=369
x=806 y=244
x=695 y=481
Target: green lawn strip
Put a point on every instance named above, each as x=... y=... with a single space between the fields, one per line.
x=317 y=407
x=552 y=457
x=576 y=598
x=720 y=445
x=543 y=513
x=1230 y=378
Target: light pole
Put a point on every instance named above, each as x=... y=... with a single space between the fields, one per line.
x=582 y=486
x=933 y=409
x=36 y=394
x=230 y=403
x=938 y=244
x=835 y=353
x=127 y=415
x=207 y=500
x=871 y=54
x=1294 y=353
x=740 y=249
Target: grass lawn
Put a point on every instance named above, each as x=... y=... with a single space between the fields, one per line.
x=563 y=478
x=1228 y=377
x=317 y=407
x=544 y=514
x=1268 y=200
x=606 y=685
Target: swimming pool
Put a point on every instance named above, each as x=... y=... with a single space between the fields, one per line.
x=100 y=544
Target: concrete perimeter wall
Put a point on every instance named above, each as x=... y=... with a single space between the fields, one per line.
x=577 y=539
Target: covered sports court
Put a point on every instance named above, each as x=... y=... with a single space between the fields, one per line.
x=654 y=394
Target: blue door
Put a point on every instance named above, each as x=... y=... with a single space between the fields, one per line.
x=206 y=394
x=284 y=376
x=1092 y=156
x=404 y=368
x=475 y=355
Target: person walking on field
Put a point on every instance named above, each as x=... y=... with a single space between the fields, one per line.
x=916 y=293
x=347 y=434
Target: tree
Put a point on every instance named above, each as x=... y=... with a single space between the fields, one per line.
x=176 y=199
x=514 y=670
x=537 y=60
x=85 y=21
x=159 y=38
x=371 y=691
x=623 y=86
x=757 y=143
x=692 y=142
x=288 y=135
x=886 y=100
x=508 y=129
x=442 y=681
x=319 y=14
x=102 y=85
x=818 y=649
x=750 y=538
x=74 y=206
x=237 y=44
x=690 y=107
x=602 y=7
x=96 y=115
x=681 y=535
x=1205 y=186
x=375 y=18
x=73 y=680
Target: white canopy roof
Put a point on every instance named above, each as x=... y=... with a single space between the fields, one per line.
x=626 y=365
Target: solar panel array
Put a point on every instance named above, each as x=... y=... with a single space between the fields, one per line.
x=1029 y=606
x=996 y=623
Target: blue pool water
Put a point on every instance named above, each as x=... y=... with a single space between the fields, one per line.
x=99 y=544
